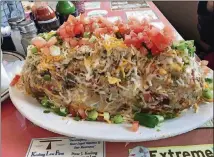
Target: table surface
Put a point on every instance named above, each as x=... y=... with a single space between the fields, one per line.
x=17 y=131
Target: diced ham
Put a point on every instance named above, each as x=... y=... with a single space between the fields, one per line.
x=39 y=42
x=52 y=41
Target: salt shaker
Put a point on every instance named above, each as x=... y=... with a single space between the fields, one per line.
x=28 y=31
x=15 y=33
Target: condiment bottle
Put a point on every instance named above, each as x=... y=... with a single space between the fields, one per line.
x=28 y=32
x=80 y=6
x=15 y=33
x=45 y=17
x=64 y=9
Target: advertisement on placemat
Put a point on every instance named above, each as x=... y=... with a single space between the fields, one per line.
x=144 y=14
x=205 y=150
x=97 y=13
x=92 y=5
x=114 y=18
x=128 y=5
x=65 y=147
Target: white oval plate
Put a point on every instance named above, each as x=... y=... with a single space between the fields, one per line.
x=30 y=108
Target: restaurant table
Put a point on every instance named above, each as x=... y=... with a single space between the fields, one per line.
x=17 y=131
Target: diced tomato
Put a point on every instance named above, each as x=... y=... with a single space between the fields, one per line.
x=136 y=28
x=63 y=33
x=78 y=29
x=146 y=38
x=133 y=34
x=15 y=80
x=168 y=33
x=69 y=30
x=72 y=111
x=39 y=42
x=138 y=44
x=67 y=39
x=58 y=31
x=124 y=30
x=154 y=31
x=133 y=20
x=81 y=113
x=72 y=19
x=128 y=40
x=52 y=41
x=149 y=44
x=159 y=41
x=66 y=24
x=147 y=97
x=102 y=25
x=134 y=40
x=155 y=50
x=135 y=126
x=140 y=37
x=106 y=22
x=82 y=18
x=73 y=42
x=127 y=37
x=45 y=50
x=100 y=118
x=100 y=31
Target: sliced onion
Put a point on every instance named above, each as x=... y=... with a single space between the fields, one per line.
x=54 y=50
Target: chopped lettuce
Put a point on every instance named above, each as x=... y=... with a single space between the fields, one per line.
x=48 y=35
x=185 y=47
x=117 y=119
x=209 y=80
x=207 y=94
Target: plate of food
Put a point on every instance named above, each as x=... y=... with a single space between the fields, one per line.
x=10 y=65
x=122 y=81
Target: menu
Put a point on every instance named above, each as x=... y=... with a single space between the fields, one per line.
x=65 y=147
x=128 y=5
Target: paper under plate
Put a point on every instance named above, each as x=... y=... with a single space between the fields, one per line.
x=31 y=109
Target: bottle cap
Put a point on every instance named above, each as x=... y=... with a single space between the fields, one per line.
x=27 y=26
x=13 y=22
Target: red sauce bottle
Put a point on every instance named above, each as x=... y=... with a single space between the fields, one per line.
x=45 y=17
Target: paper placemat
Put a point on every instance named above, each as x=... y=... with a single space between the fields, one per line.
x=128 y=5
x=65 y=147
x=208 y=124
x=205 y=150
